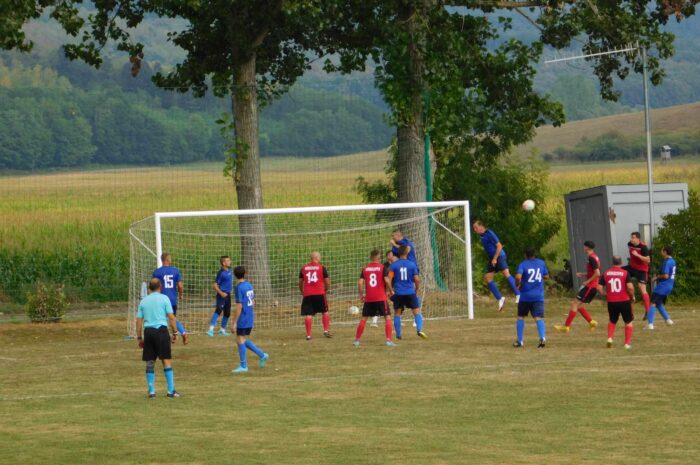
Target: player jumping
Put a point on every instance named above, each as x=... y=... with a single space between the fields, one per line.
x=372 y=285
x=404 y=284
x=638 y=267
x=587 y=291
x=497 y=263
x=314 y=282
x=619 y=293
x=530 y=278
x=664 y=285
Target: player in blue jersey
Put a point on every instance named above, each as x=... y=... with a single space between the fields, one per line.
x=223 y=285
x=403 y=289
x=244 y=317
x=152 y=319
x=530 y=277
x=171 y=285
x=497 y=263
x=397 y=240
x=664 y=285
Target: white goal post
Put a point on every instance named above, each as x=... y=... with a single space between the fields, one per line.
x=344 y=235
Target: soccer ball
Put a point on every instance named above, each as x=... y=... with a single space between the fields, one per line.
x=529 y=205
x=354 y=310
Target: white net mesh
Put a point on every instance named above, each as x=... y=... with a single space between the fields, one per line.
x=344 y=239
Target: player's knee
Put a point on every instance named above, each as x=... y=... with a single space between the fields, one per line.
x=227 y=313
x=150 y=365
x=218 y=311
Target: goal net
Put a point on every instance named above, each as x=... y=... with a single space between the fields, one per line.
x=273 y=245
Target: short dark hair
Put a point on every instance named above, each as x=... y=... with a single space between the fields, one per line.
x=154 y=285
x=589 y=244
x=636 y=234
x=389 y=252
x=616 y=260
x=239 y=272
x=403 y=250
x=668 y=249
x=397 y=231
x=374 y=254
x=164 y=256
x=530 y=252
x=222 y=258
x=479 y=222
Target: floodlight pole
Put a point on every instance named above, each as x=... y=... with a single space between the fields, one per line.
x=650 y=165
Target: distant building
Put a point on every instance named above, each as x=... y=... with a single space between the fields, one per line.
x=665 y=153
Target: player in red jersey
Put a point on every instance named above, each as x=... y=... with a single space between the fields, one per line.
x=587 y=292
x=372 y=286
x=313 y=285
x=620 y=295
x=638 y=267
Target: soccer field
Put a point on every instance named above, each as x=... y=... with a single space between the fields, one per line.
x=75 y=393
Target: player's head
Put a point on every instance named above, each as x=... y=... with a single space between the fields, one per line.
x=530 y=252
x=403 y=251
x=616 y=260
x=589 y=246
x=390 y=257
x=635 y=238
x=225 y=261
x=154 y=285
x=375 y=256
x=166 y=259
x=397 y=235
x=239 y=272
x=667 y=251
x=479 y=227
x=316 y=257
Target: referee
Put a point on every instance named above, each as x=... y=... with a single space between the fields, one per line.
x=154 y=314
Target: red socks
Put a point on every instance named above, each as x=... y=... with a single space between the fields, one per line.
x=570 y=318
x=326 y=322
x=308 y=322
x=360 y=329
x=611 y=330
x=387 y=329
x=647 y=302
x=628 y=334
x=584 y=313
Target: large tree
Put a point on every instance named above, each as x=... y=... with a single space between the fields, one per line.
x=250 y=50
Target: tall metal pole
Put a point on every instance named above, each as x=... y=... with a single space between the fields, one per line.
x=650 y=166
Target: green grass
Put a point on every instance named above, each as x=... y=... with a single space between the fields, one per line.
x=74 y=393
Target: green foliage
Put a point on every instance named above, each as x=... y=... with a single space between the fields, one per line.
x=682 y=231
x=47 y=304
x=381 y=191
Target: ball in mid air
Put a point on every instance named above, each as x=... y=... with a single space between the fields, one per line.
x=354 y=310
x=529 y=205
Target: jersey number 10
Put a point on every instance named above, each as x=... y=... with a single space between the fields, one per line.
x=615 y=284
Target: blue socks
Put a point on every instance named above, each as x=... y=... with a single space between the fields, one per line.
x=540 y=328
x=397 y=325
x=214 y=319
x=180 y=327
x=249 y=344
x=151 y=379
x=168 y=372
x=494 y=290
x=511 y=283
x=242 y=355
x=419 y=322
x=224 y=322
x=520 y=329
x=651 y=314
x=663 y=311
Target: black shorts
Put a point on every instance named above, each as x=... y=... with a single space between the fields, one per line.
x=534 y=308
x=615 y=309
x=375 y=309
x=586 y=294
x=156 y=344
x=411 y=301
x=223 y=303
x=639 y=275
x=243 y=331
x=313 y=304
x=658 y=298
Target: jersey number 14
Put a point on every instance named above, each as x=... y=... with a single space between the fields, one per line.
x=311 y=277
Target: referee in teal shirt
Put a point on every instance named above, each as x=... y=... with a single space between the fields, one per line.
x=152 y=318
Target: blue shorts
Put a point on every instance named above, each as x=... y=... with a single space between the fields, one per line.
x=534 y=308
x=243 y=331
x=501 y=264
x=411 y=301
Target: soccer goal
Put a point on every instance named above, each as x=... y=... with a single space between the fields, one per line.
x=273 y=244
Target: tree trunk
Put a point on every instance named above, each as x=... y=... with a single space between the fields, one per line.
x=410 y=141
x=247 y=178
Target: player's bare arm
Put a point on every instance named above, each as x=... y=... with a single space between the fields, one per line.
x=416 y=281
x=301 y=285
x=518 y=278
x=219 y=291
x=499 y=249
x=630 y=291
x=360 y=289
x=180 y=289
x=593 y=279
x=237 y=313
x=327 y=284
x=173 y=326
x=139 y=331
